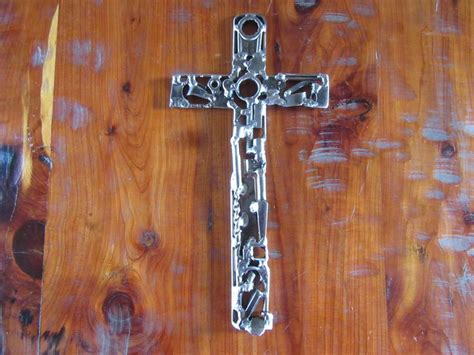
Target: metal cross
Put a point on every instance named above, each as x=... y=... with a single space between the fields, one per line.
x=247 y=90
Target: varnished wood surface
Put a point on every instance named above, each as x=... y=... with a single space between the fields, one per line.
x=371 y=244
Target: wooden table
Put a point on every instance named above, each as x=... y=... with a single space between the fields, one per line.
x=114 y=213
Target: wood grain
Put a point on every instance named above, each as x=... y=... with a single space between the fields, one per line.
x=371 y=244
x=26 y=101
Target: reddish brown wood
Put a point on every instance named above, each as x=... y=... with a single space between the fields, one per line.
x=371 y=246
x=25 y=165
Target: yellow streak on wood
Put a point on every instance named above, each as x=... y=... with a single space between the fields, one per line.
x=47 y=84
x=27 y=163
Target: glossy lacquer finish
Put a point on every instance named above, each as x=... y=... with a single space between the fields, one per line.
x=115 y=210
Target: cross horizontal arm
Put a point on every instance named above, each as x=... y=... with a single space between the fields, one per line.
x=287 y=90
x=291 y=90
x=197 y=91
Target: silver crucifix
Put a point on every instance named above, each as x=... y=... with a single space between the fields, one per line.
x=247 y=90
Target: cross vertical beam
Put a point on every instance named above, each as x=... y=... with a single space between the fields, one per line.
x=247 y=90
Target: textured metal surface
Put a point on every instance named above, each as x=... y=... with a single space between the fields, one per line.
x=247 y=90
